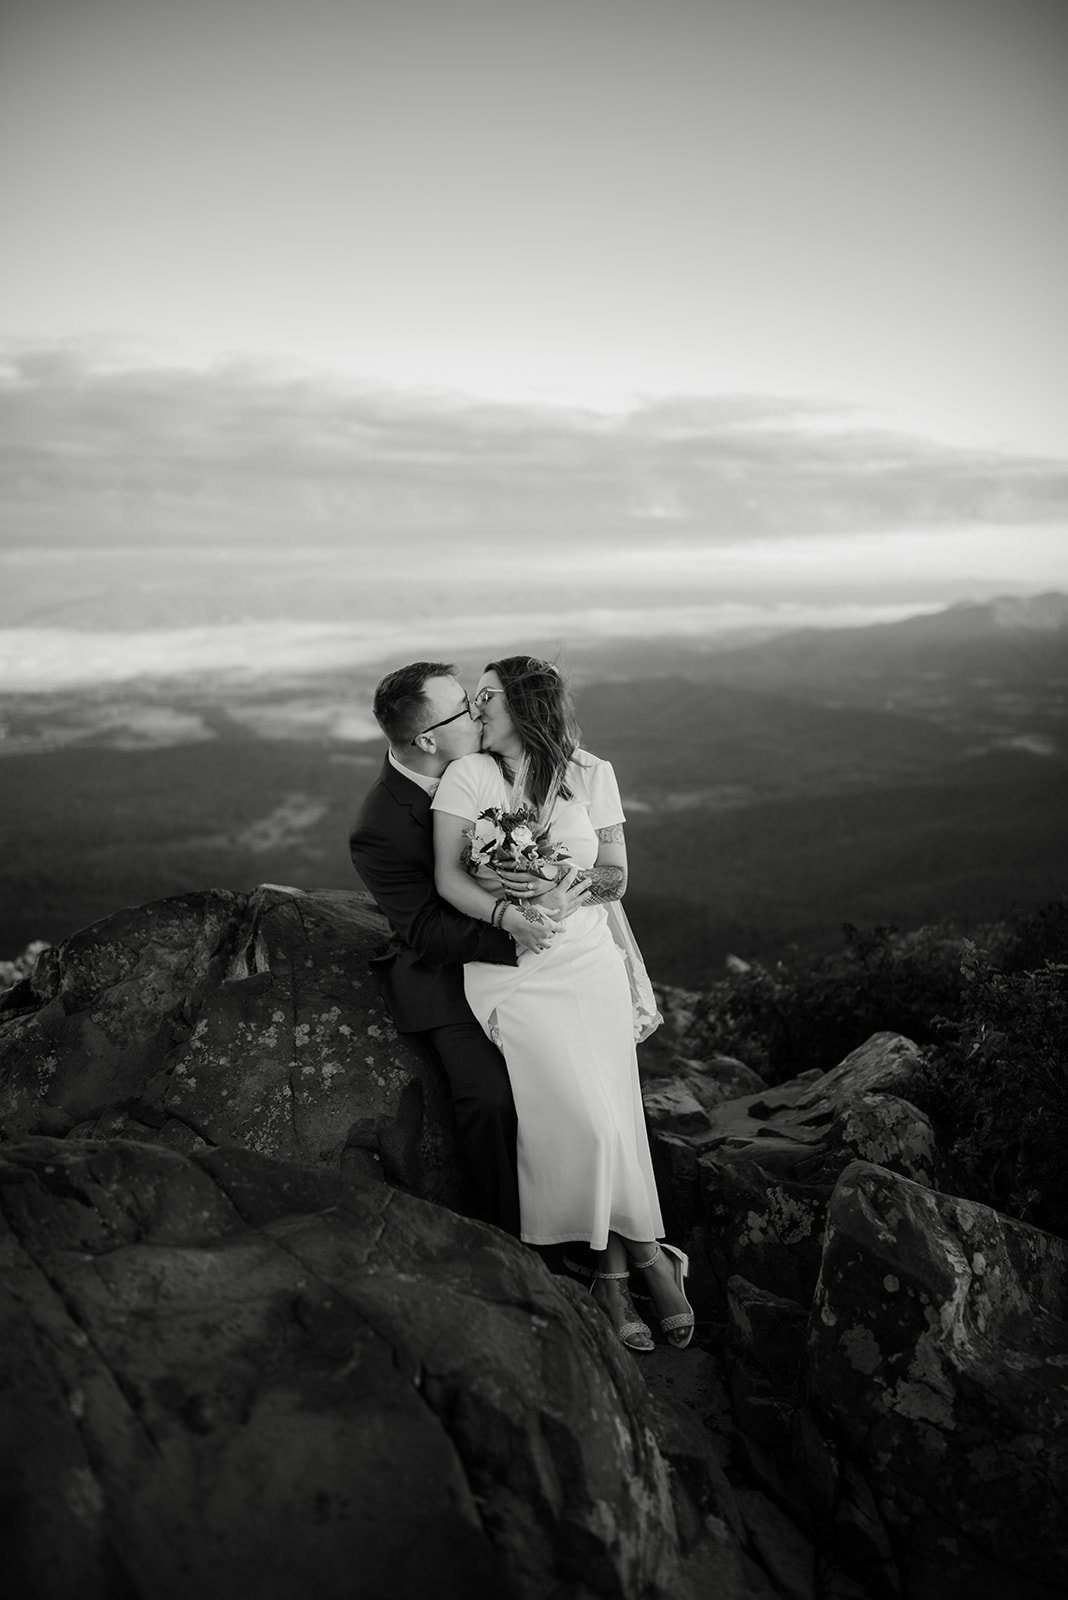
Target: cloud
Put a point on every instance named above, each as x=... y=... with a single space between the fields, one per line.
x=96 y=448
x=244 y=655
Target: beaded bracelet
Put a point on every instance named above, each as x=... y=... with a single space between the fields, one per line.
x=497 y=914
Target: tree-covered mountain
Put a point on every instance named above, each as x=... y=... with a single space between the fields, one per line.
x=772 y=791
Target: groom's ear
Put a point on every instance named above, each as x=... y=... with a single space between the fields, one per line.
x=427 y=744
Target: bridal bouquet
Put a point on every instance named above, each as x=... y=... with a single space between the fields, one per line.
x=514 y=839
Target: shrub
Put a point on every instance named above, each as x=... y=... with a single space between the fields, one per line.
x=1000 y=1087
x=812 y=1011
x=1034 y=937
x=991 y=1012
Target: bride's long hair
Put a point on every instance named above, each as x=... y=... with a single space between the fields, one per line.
x=541 y=708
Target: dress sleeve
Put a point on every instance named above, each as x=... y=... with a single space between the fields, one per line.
x=461 y=788
x=606 y=807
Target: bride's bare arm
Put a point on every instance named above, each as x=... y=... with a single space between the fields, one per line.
x=529 y=928
x=454 y=882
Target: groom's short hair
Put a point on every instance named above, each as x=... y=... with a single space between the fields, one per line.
x=400 y=703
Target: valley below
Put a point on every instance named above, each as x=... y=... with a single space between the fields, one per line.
x=911 y=772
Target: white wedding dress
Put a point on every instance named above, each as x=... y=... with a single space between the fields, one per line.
x=563 y=1019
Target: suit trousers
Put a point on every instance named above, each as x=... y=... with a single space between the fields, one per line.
x=484 y=1113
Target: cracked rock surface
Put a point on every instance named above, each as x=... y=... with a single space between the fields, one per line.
x=233 y=1374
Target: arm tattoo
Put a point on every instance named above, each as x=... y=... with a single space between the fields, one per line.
x=606 y=883
x=612 y=834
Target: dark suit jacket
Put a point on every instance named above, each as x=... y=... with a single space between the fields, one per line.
x=392 y=848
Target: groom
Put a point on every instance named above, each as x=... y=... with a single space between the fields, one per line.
x=426 y=716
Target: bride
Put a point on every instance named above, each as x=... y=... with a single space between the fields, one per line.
x=563 y=1015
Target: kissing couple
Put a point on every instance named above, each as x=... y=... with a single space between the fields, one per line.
x=525 y=984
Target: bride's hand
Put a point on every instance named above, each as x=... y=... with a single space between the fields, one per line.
x=530 y=928
x=569 y=895
x=527 y=885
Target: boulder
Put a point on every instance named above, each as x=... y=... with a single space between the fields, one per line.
x=766 y=1164
x=781 y=1548
x=229 y=1019
x=765 y=1341
x=763 y=1224
x=938 y=1357
x=896 y=1358
x=765 y=1349
x=102 y=1009
x=678 y=1101
x=226 y=1374
x=672 y=1107
x=720 y=1077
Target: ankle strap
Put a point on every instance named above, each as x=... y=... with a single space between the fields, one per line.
x=612 y=1277
x=641 y=1265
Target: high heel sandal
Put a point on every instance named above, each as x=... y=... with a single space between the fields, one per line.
x=635 y=1329
x=682 y=1322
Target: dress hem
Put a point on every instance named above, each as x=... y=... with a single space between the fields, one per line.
x=573 y=1238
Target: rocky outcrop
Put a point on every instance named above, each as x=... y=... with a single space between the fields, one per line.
x=227 y=1019
x=231 y=1349
x=224 y=1370
x=748 y=1180
x=677 y=1101
x=242 y=1376
x=938 y=1352
x=896 y=1357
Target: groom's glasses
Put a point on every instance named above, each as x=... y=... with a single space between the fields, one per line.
x=464 y=711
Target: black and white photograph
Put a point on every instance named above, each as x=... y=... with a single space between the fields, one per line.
x=534 y=799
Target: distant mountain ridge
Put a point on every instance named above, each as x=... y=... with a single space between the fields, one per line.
x=1039 y=611
x=970 y=652
x=965 y=619
x=1042 y=613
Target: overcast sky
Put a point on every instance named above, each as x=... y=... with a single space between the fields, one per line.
x=699 y=274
